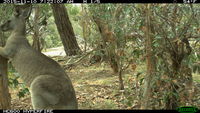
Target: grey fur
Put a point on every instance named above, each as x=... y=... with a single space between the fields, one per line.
x=50 y=86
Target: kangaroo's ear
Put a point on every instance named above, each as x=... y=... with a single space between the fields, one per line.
x=23 y=10
x=17 y=10
x=27 y=11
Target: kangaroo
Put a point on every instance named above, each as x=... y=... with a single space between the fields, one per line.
x=50 y=87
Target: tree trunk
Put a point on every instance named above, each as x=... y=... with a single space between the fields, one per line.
x=36 y=37
x=172 y=100
x=121 y=83
x=84 y=37
x=65 y=29
x=84 y=27
x=5 y=99
x=108 y=43
x=149 y=60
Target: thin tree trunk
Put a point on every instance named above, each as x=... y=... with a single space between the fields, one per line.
x=121 y=83
x=84 y=37
x=65 y=29
x=149 y=60
x=84 y=28
x=5 y=99
x=36 y=37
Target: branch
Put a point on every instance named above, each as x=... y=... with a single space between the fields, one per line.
x=164 y=18
x=187 y=24
x=80 y=59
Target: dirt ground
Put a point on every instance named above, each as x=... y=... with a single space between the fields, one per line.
x=96 y=88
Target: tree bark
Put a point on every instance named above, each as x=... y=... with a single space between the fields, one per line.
x=121 y=83
x=150 y=60
x=108 y=43
x=36 y=35
x=65 y=29
x=5 y=99
x=84 y=27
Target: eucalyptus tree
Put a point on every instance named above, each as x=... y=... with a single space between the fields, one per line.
x=174 y=26
x=65 y=29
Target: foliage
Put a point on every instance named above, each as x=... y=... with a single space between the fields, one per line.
x=172 y=25
x=15 y=84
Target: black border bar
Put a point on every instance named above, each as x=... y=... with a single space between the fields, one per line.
x=100 y=1
x=87 y=111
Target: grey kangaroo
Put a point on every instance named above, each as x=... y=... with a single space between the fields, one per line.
x=50 y=87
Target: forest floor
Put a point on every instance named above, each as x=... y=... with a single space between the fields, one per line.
x=96 y=87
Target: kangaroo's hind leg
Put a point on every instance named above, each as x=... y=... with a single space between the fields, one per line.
x=48 y=92
x=41 y=95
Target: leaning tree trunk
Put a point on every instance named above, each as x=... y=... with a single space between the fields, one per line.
x=150 y=61
x=108 y=43
x=65 y=29
x=5 y=99
x=36 y=37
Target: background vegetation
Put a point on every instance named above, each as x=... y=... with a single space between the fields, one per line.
x=132 y=56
